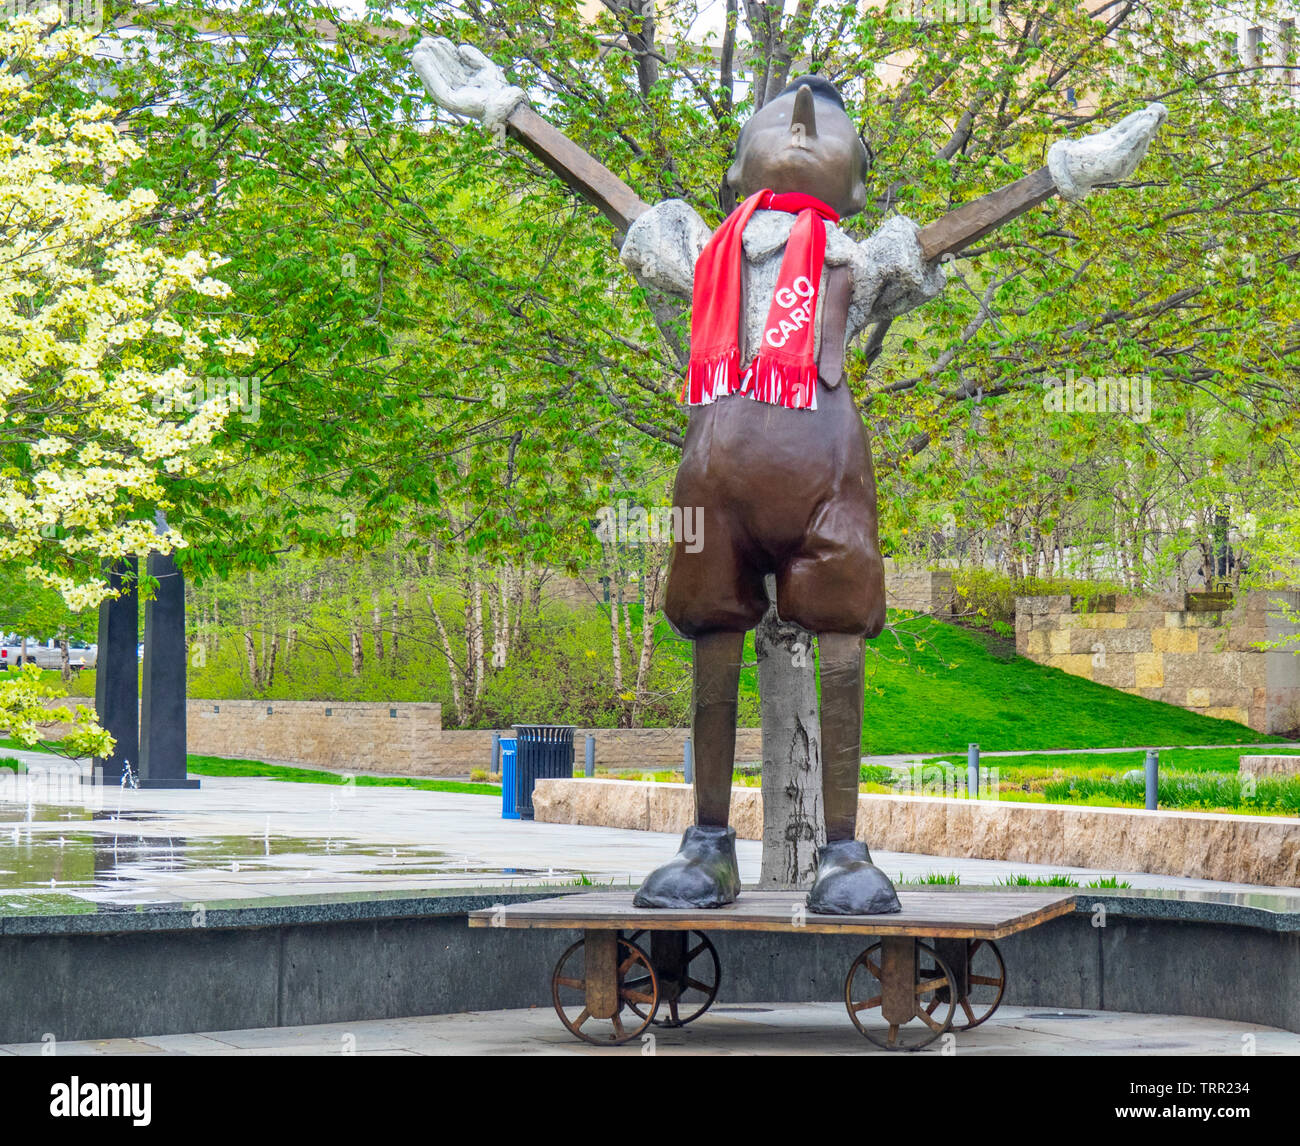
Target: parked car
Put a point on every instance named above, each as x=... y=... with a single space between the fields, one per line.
x=45 y=654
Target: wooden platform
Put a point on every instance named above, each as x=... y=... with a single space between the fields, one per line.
x=940 y=914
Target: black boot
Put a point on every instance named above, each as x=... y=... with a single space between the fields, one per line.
x=848 y=883
x=704 y=873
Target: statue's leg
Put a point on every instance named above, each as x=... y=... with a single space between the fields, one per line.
x=717 y=659
x=704 y=873
x=842 y=661
x=847 y=882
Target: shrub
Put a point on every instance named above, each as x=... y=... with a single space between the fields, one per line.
x=990 y=596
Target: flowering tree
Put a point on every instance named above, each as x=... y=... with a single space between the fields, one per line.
x=102 y=340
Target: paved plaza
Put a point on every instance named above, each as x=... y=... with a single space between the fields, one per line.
x=743 y=1029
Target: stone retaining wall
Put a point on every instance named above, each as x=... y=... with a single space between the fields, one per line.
x=402 y=738
x=1175 y=648
x=1262 y=850
x=918 y=589
x=367 y=737
x=649 y=749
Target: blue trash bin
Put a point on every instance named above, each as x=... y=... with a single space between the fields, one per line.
x=509 y=759
x=544 y=751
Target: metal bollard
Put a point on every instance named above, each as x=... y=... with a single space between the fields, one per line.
x=1153 y=779
x=496 y=752
x=688 y=761
x=589 y=764
x=973 y=772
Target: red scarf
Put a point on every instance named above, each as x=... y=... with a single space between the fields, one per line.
x=784 y=371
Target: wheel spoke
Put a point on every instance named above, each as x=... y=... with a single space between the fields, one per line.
x=636 y=997
x=698 y=985
x=618 y=1024
x=986 y=980
x=873 y=968
x=694 y=951
x=874 y=1001
x=931 y=985
x=582 y=1018
x=929 y=1022
x=934 y=1004
x=975 y=945
x=576 y=984
x=632 y=958
x=970 y=1015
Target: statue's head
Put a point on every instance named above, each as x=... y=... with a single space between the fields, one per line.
x=802 y=140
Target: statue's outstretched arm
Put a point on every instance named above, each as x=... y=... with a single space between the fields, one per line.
x=465 y=81
x=1074 y=167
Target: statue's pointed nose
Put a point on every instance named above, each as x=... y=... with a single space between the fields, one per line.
x=803 y=123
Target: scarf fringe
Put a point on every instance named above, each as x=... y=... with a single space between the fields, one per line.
x=708 y=379
x=793 y=386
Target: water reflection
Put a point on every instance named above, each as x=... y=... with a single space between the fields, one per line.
x=122 y=850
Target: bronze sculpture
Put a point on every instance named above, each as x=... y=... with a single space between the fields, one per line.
x=803 y=507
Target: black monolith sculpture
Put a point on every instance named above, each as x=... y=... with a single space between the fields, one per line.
x=116 y=694
x=162 y=713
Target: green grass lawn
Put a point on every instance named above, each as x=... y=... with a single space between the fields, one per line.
x=939 y=687
x=219 y=766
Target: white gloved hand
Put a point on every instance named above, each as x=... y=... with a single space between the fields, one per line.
x=465 y=81
x=1078 y=165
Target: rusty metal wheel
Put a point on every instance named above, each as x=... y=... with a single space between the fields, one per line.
x=689 y=972
x=932 y=1003
x=988 y=983
x=595 y=1013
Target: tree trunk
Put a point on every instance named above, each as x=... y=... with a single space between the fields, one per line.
x=65 y=666
x=794 y=822
x=650 y=604
x=250 y=649
x=453 y=669
x=269 y=674
x=358 y=653
x=616 y=646
x=475 y=637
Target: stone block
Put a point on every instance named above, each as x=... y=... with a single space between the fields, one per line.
x=1075 y=665
x=1117 y=641
x=1117 y=670
x=671 y=808
x=1240 y=714
x=1149 y=670
x=1269 y=766
x=1174 y=640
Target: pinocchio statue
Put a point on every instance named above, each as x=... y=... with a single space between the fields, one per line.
x=776 y=462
